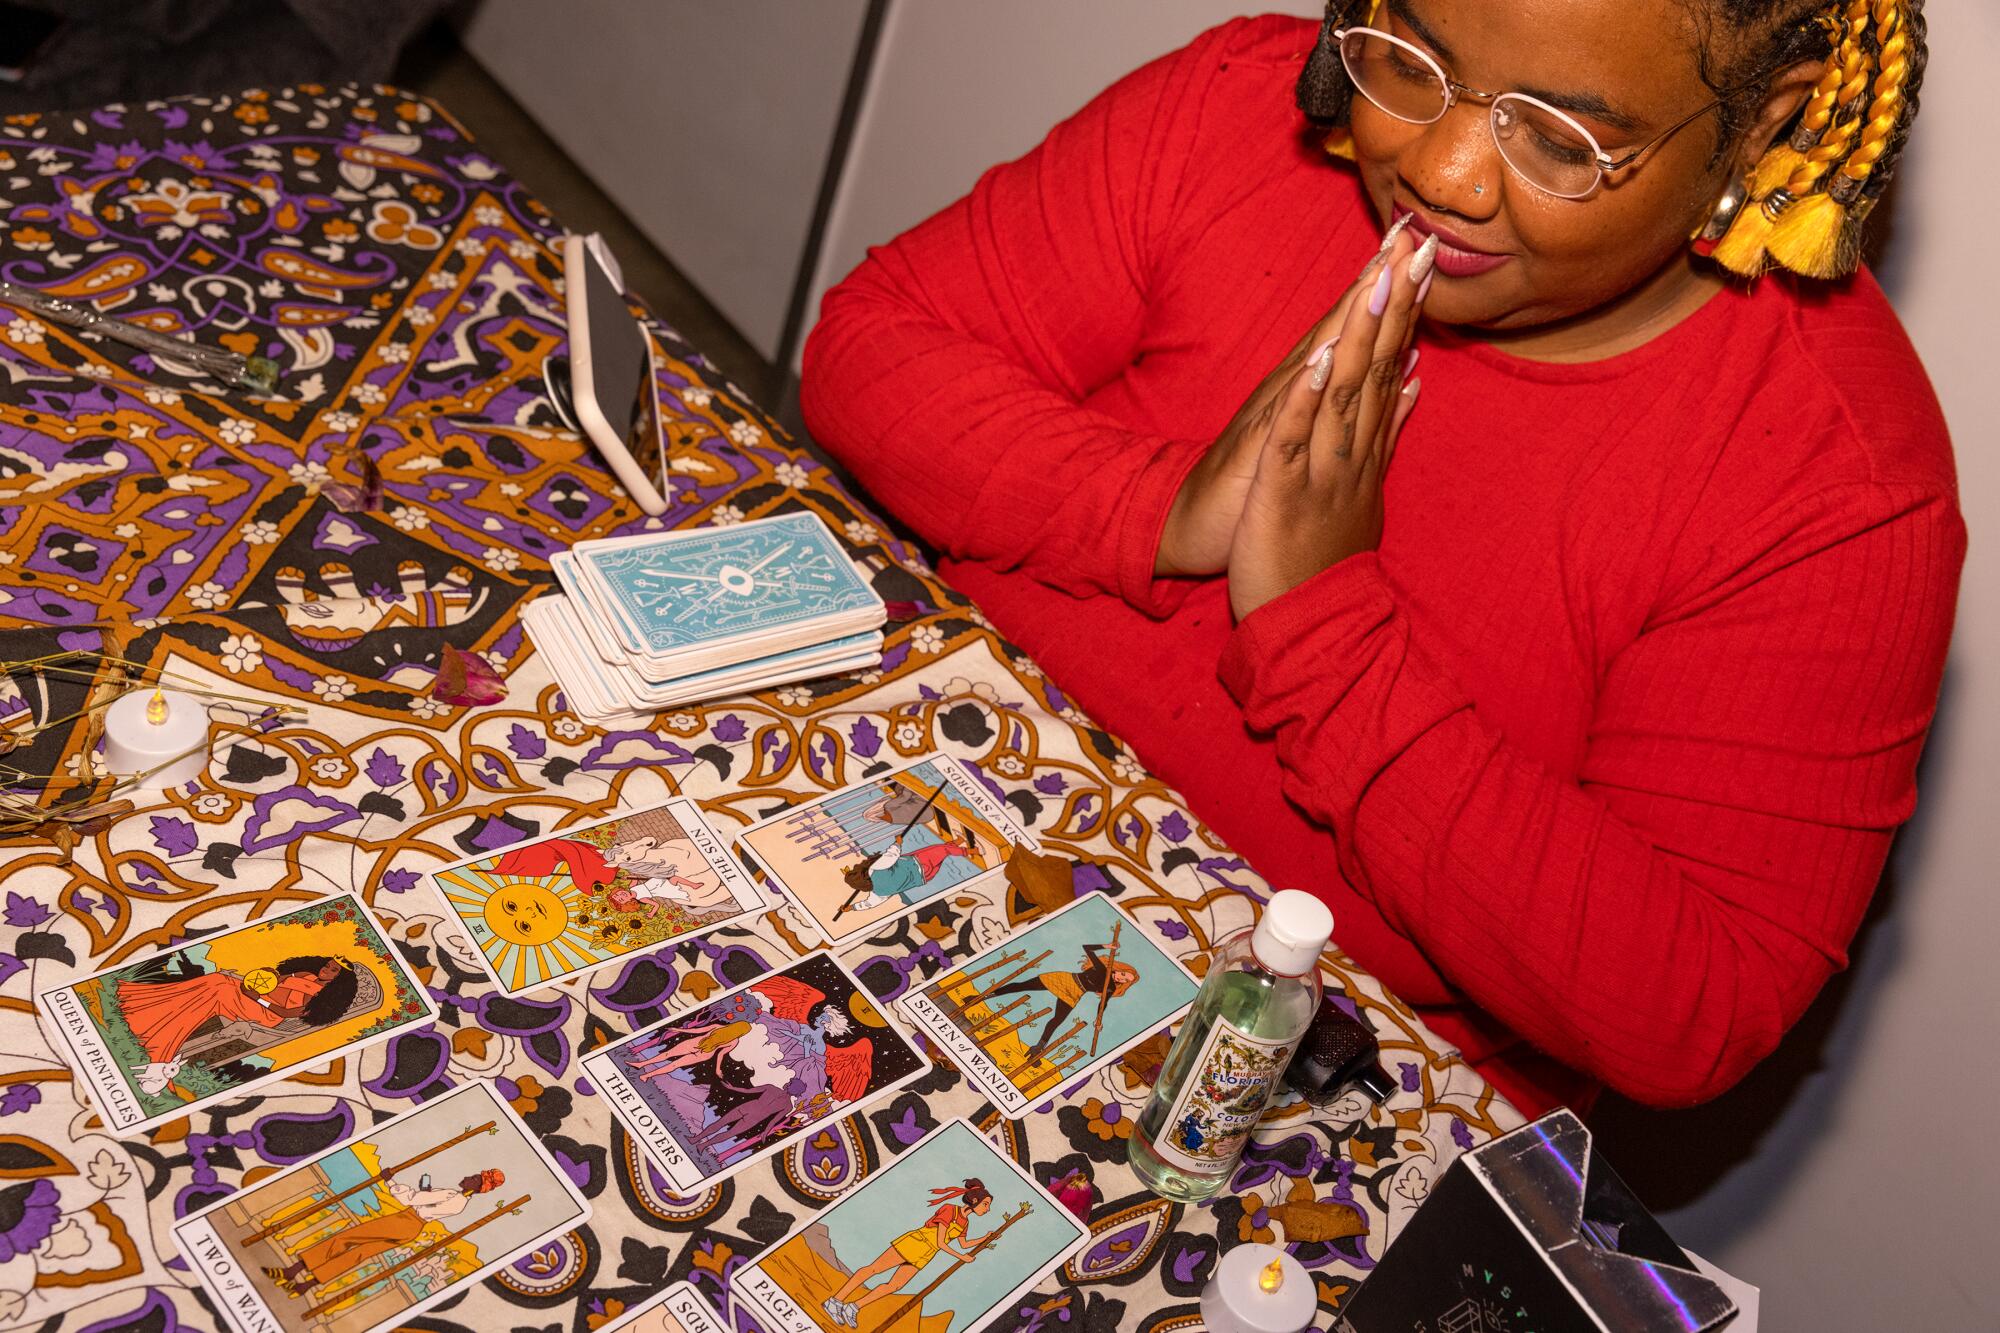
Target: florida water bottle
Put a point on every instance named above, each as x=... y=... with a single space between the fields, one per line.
x=1260 y=993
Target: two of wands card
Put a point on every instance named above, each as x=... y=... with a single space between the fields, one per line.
x=369 y=1234
x=668 y=618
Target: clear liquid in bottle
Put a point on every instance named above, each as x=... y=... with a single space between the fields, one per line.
x=1256 y=1001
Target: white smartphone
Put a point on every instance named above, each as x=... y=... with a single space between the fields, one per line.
x=614 y=384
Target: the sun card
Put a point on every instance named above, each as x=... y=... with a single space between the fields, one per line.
x=881 y=848
x=950 y=1235
x=714 y=1089
x=563 y=905
x=369 y=1234
x=1052 y=1003
x=174 y=1031
x=678 y=1309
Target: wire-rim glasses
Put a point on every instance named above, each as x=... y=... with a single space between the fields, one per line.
x=1544 y=145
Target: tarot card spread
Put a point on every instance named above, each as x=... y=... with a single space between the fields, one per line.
x=678 y=1309
x=564 y=905
x=869 y=853
x=368 y=1234
x=178 y=1030
x=953 y=1233
x=1052 y=1003
x=712 y=1090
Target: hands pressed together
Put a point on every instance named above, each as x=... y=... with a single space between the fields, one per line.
x=1293 y=484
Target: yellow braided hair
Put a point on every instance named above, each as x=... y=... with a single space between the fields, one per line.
x=1809 y=219
x=1787 y=156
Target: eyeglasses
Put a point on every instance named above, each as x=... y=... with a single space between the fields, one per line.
x=1546 y=147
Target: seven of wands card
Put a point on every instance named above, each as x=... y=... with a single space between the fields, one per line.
x=368 y=1234
x=951 y=1234
x=716 y=1088
x=1052 y=1003
x=174 y=1031
x=563 y=905
x=874 y=851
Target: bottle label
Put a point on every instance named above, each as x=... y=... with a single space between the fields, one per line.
x=1220 y=1104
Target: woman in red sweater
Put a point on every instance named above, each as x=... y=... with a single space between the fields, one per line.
x=1588 y=691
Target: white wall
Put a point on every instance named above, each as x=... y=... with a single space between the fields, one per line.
x=1874 y=1203
x=708 y=123
x=959 y=85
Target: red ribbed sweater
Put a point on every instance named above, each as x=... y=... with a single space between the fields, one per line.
x=1598 y=758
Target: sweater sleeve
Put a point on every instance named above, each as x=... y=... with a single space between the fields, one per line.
x=1661 y=921
x=950 y=370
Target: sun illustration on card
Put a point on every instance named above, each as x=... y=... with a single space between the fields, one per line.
x=529 y=927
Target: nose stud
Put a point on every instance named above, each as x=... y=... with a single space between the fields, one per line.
x=1479 y=189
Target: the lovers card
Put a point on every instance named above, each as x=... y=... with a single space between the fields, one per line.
x=881 y=848
x=563 y=905
x=729 y=1083
x=177 y=1030
x=678 y=1309
x=950 y=1235
x=1052 y=1003
x=369 y=1234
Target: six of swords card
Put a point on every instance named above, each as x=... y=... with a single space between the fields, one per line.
x=718 y=1087
x=879 y=849
x=1052 y=1003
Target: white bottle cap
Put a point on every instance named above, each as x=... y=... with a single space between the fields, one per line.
x=1291 y=933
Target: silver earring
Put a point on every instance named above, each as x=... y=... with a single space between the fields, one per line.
x=1722 y=216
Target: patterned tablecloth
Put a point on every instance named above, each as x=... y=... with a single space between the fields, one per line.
x=409 y=290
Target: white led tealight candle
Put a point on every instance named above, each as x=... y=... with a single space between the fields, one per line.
x=146 y=729
x=1259 y=1289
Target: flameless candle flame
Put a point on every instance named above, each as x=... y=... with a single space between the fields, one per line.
x=1272 y=1277
x=156 y=708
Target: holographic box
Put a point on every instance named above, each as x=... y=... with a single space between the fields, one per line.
x=1534 y=1233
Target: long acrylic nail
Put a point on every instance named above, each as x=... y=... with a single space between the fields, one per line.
x=1395 y=230
x=1322 y=364
x=1379 y=301
x=1424 y=260
x=1424 y=287
x=1412 y=389
x=1410 y=362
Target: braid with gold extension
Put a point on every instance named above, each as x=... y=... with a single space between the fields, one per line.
x=1820 y=236
x=1790 y=170
x=1811 y=222
x=1777 y=165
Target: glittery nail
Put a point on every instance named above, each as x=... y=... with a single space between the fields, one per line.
x=1395 y=230
x=1424 y=260
x=1322 y=364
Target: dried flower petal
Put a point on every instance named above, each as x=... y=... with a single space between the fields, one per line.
x=463 y=679
x=363 y=499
